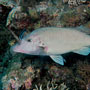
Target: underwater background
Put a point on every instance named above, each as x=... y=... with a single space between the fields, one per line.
x=24 y=72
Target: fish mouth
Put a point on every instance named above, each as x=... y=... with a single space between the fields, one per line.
x=20 y=51
x=17 y=49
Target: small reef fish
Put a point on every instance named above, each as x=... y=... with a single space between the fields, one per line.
x=53 y=42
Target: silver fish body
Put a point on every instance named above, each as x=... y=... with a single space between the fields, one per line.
x=55 y=41
x=63 y=40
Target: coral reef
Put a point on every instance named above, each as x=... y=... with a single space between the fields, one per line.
x=83 y=72
x=23 y=72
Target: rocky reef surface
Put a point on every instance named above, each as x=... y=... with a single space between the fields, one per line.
x=23 y=72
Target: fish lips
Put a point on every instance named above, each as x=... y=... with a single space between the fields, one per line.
x=16 y=49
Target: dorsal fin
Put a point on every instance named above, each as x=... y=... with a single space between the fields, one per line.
x=83 y=51
x=83 y=29
x=22 y=34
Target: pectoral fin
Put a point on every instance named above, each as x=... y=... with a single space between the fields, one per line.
x=58 y=59
x=84 y=51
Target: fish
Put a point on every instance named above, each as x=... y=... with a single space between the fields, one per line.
x=54 y=42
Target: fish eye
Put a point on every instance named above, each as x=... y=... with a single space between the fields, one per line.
x=29 y=40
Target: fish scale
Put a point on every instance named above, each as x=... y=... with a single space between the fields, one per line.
x=63 y=40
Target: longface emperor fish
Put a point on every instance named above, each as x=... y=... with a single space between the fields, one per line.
x=53 y=42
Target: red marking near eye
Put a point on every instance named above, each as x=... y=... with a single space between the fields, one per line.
x=36 y=39
x=46 y=48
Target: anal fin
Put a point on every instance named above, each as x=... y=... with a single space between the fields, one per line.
x=84 y=51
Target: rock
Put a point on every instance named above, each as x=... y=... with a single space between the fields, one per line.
x=70 y=18
x=81 y=9
x=65 y=1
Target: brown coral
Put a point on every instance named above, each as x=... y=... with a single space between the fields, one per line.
x=83 y=70
x=28 y=83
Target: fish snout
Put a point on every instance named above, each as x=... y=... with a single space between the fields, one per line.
x=12 y=51
x=19 y=49
x=14 y=48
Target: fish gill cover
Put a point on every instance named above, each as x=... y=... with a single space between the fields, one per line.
x=27 y=72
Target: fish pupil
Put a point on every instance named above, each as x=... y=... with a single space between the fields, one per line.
x=29 y=40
